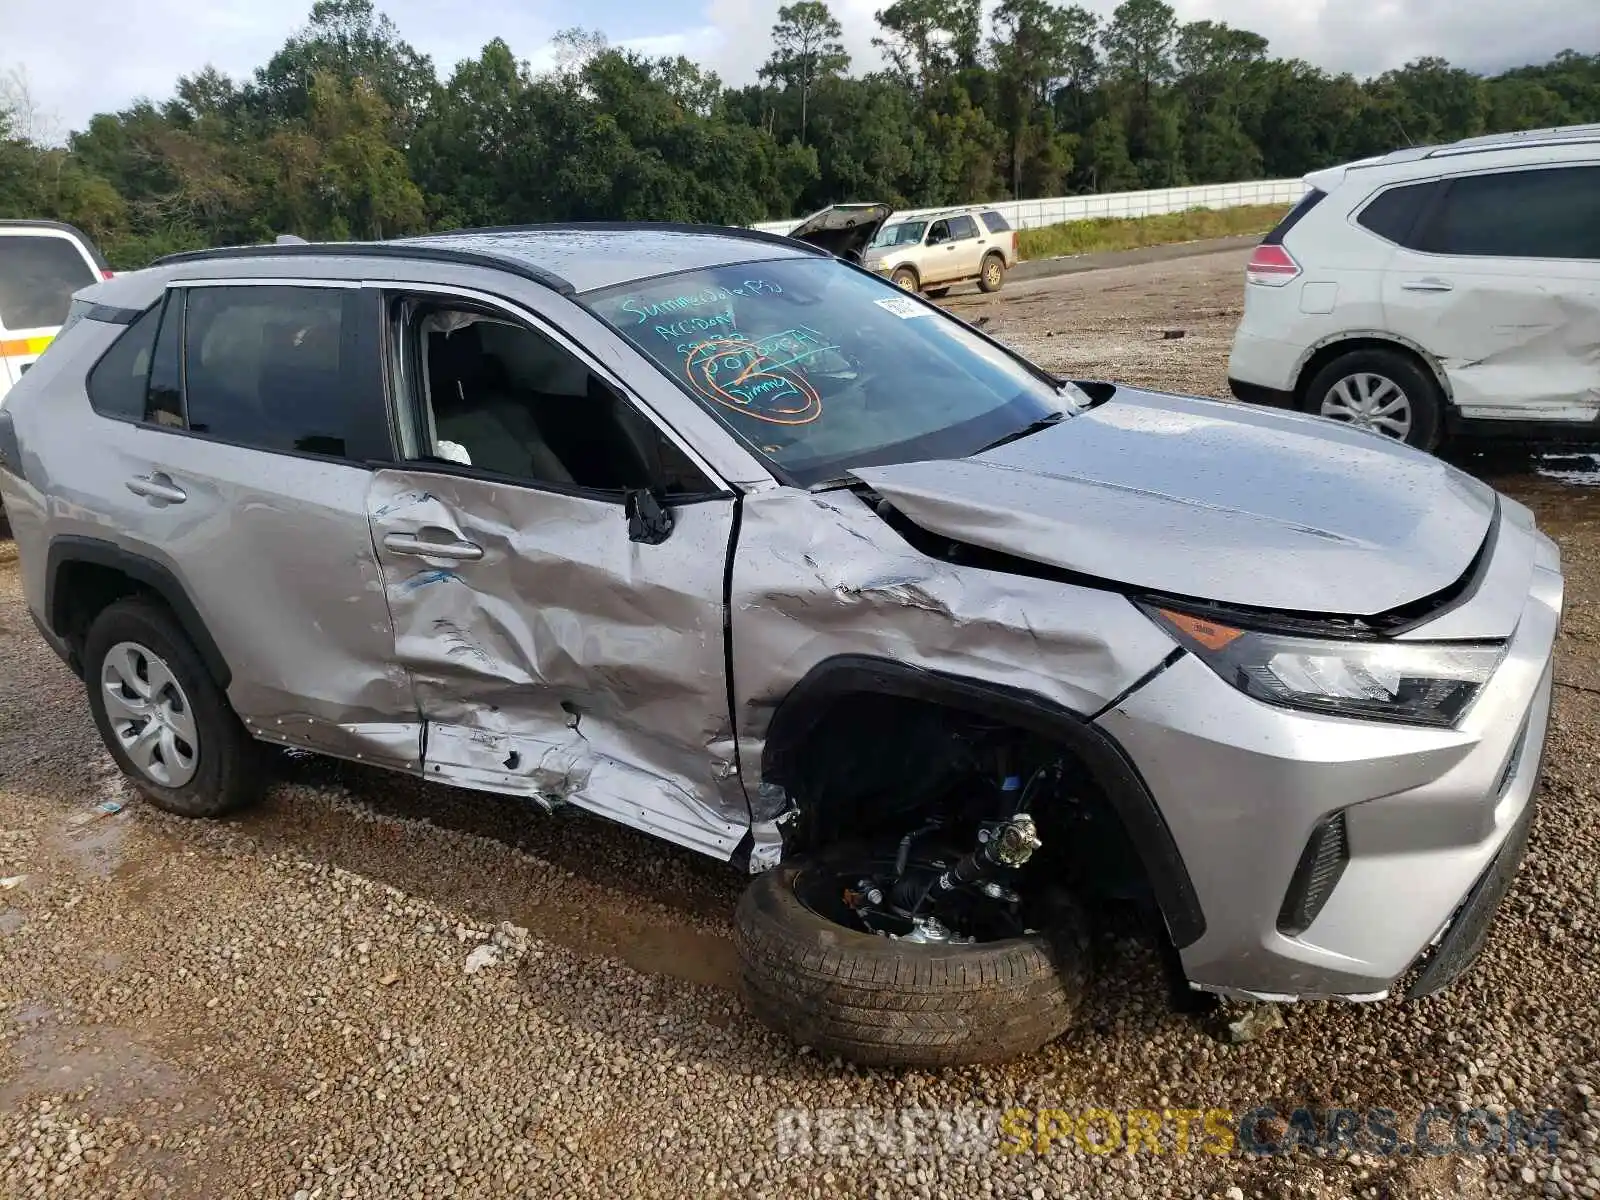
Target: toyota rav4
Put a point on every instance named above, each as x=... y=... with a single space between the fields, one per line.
x=722 y=538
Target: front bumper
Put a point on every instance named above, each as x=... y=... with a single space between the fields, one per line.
x=1463 y=938
x=1433 y=818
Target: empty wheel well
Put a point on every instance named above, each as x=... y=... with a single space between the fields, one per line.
x=871 y=749
x=1333 y=350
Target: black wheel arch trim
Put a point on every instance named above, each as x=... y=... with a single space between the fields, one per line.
x=799 y=712
x=66 y=549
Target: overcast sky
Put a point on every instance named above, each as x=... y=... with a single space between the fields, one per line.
x=101 y=54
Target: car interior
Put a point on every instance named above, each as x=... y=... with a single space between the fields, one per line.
x=500 y=397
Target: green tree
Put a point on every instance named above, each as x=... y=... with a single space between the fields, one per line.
x=805 y=49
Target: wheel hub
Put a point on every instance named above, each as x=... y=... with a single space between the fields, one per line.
x=1371 y=402
x=149 y=714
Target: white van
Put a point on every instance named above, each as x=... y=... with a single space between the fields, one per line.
x=41 y=264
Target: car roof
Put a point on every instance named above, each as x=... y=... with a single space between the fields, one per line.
x=1492 y=143
x=569 y=257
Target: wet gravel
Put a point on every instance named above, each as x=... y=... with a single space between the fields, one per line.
x=281 y=1005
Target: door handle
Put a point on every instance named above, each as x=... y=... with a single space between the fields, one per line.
x=1427 y=285
x=157 y=486
x=458 y=550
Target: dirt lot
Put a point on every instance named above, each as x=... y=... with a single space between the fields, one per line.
x=279 y=1006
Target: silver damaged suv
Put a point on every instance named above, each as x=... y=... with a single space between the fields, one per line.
x=728 y=540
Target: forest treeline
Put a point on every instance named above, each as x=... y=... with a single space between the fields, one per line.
x=349 y=132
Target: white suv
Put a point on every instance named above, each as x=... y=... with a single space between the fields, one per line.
x=1436 y=291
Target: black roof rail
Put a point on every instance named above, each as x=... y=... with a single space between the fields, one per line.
x=732 y=231
x=412 y=249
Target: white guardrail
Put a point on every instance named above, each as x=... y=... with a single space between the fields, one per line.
x=1031 y=214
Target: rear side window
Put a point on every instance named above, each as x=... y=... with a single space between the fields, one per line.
x=164 y=403
x=1393 y=215
x=118 y=381
x=38 y=274
x=264 y=367
x=1553 y=212
x=1307 y=202
x=962 y=228
x=996 y=222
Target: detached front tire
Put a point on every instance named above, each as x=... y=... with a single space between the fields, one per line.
x=884 y=1002
x=162 y=716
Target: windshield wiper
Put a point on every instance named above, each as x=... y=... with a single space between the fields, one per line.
x=1027 y=430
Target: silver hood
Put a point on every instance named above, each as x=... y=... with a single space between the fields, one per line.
x=1211 y=501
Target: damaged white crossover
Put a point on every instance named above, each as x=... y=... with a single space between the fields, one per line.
x=721 y=537
x=1436 y=293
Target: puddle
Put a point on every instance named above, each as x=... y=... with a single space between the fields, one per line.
x=51 y=1056
x=97 y=848
x=650 y=947
x=652 y=914
x=1580 y=470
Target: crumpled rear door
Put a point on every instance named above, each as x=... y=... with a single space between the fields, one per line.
x=552 y=657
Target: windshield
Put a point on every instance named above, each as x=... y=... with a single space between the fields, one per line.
x=907 y=233
x=819 y=367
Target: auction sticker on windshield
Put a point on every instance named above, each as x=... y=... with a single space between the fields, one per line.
x=903 y=306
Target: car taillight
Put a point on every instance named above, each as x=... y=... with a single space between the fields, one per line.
x=1016 y=247
x=1272 y=265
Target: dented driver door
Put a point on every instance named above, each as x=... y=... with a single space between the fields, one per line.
x=553 y=657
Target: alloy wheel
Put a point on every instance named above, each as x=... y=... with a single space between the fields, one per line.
x=1372 y=402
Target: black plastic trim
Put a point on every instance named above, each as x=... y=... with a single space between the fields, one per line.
x=110 y=314
x=1314 y=876
x=59 y=645
x=1469 y=929
x=10 y=450
x=1256 y=393
x=807 y=702
x=70 y=548
x=390 y=250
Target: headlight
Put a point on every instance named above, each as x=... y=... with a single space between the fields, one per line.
x=1418 y=683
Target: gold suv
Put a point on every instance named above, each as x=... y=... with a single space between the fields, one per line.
x=932 y=252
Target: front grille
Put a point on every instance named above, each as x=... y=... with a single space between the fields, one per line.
x=1321 y=864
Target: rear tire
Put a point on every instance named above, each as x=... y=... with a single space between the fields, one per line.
x=145 y=677
x=992 y=275
x=906 y=278
x=1384 y=391
x=883 y=1002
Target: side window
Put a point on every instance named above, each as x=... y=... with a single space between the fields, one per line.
x=38 y=274
x=1393 y=214
x=164 y=403
x=118 y=381
x=996 y=222
x=1553 y=212
x=499 y=396
x=962 y=228
x=264 y=367
x=939 y=233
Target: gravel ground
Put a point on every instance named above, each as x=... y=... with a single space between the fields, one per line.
x=372 y=987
